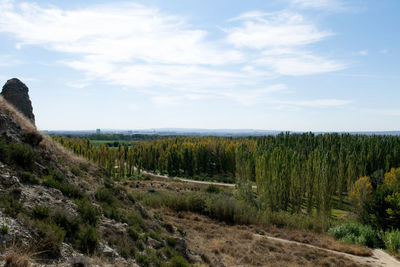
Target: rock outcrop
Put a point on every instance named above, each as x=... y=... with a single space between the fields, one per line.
x=16 y=93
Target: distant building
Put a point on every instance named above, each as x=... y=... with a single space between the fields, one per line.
x=98 y=131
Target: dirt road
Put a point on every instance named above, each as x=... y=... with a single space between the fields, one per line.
x=191 y=181
x=378 y=258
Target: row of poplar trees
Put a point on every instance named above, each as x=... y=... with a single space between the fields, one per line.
x=292 y=172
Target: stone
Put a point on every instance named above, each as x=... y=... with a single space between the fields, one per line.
x=16 y=93
x=154 y=243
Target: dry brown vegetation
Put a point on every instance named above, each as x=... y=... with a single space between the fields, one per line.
x=302 y=236
x=16 y=257
x=220 y=244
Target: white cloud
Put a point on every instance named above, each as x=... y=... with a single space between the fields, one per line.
x=280 y=29
x=135 y=46
x=319 y=4
x=283 y=38
x=384 y=51
x=116 y=33
x=297 y=62
x=319 y=103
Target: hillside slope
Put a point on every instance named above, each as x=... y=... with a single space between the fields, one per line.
x=57 y=208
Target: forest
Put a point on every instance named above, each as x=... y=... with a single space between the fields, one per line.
x=297 y=173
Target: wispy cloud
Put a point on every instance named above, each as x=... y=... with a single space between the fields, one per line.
x=297 y=62
x=163 y=55
x=335 y=5
x=318 y=103
x=282 y=39
x=279 y=29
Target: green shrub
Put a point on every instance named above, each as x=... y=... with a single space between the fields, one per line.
x=10 y=205
x=28 y=177
x=76 y=171
x=149 y=258
x=105 y=195
x=392 y=240
x=69 y=223
x=212 y=189
x=171 y=241
x=4 y=229
x=40 y=212
x=51 y=237
x=133 y=233
x=296 y=221
x=57 y=180
x=22 y=155
x=181 y=230
x=88 y=239
x=134 y=218
x=355 y=233
x=19 y=154
x=32 y=138
x=111 y=212
x=178 y=261
x=89 y=213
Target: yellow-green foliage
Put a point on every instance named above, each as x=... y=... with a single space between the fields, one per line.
x=361 y=192
x=392 y=179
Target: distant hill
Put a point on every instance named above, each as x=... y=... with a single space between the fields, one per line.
x=202 y=132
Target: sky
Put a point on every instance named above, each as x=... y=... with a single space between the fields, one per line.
x=290 y=65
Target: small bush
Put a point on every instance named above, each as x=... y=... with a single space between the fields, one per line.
x=133 y=233
x=213 y=189
x=105 y=195
x=355 y=233
x=4 y=229
x=41 y=212
x=69 y=223
x=10 y=205
x=57 y=180
x=181 y=230
x=133 y=218
x=171 y=241
x=111 y=212
x=88 y=239
x=22 y=155
x=19 y=154
x=32 y=138
x=51 y=237
x=392 y=240
x=29 y=178
x=89 y=213
x=149 y=258
x=76 y=171
x=178 y=261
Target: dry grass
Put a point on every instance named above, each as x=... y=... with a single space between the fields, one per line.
x=218 y=244
x=28 y=127
x=16 y=116
x=16 y=257
x=303 y=236
x=317 y=239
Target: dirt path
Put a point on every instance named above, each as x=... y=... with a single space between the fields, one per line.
x=191 y=181
x=378 y=258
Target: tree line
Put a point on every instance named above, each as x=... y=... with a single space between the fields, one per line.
x=293 y=172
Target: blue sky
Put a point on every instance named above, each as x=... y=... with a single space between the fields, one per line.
x=306 y=65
